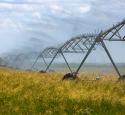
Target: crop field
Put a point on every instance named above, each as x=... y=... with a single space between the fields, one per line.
x=32 y=93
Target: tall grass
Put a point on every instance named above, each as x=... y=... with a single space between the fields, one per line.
x=30 y=93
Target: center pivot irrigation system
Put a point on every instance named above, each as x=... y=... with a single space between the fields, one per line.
x=79 y=44
x=86 y=43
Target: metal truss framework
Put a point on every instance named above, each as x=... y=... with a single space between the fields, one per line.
x=85 y=43
x=79 y=44
x=46 y=53
x=115 y=33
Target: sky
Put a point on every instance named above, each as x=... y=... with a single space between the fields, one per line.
x=32 y=25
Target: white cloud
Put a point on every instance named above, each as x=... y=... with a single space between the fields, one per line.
x=25 y=8
x=36 y=14
x=84 y=8
x=6 y=23
x=5 y=6
x=55 y=7
x=72 y=9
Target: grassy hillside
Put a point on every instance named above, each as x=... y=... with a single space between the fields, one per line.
x=30 y=93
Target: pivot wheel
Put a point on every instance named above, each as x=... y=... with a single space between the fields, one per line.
x=70 y=76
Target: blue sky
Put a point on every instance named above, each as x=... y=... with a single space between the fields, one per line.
x=28 y=25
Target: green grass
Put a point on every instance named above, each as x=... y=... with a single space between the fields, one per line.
x=30 y=93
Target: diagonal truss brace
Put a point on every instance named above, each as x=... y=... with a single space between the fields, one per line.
x=59 y=51
x=107 y=52
x=32 y=67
